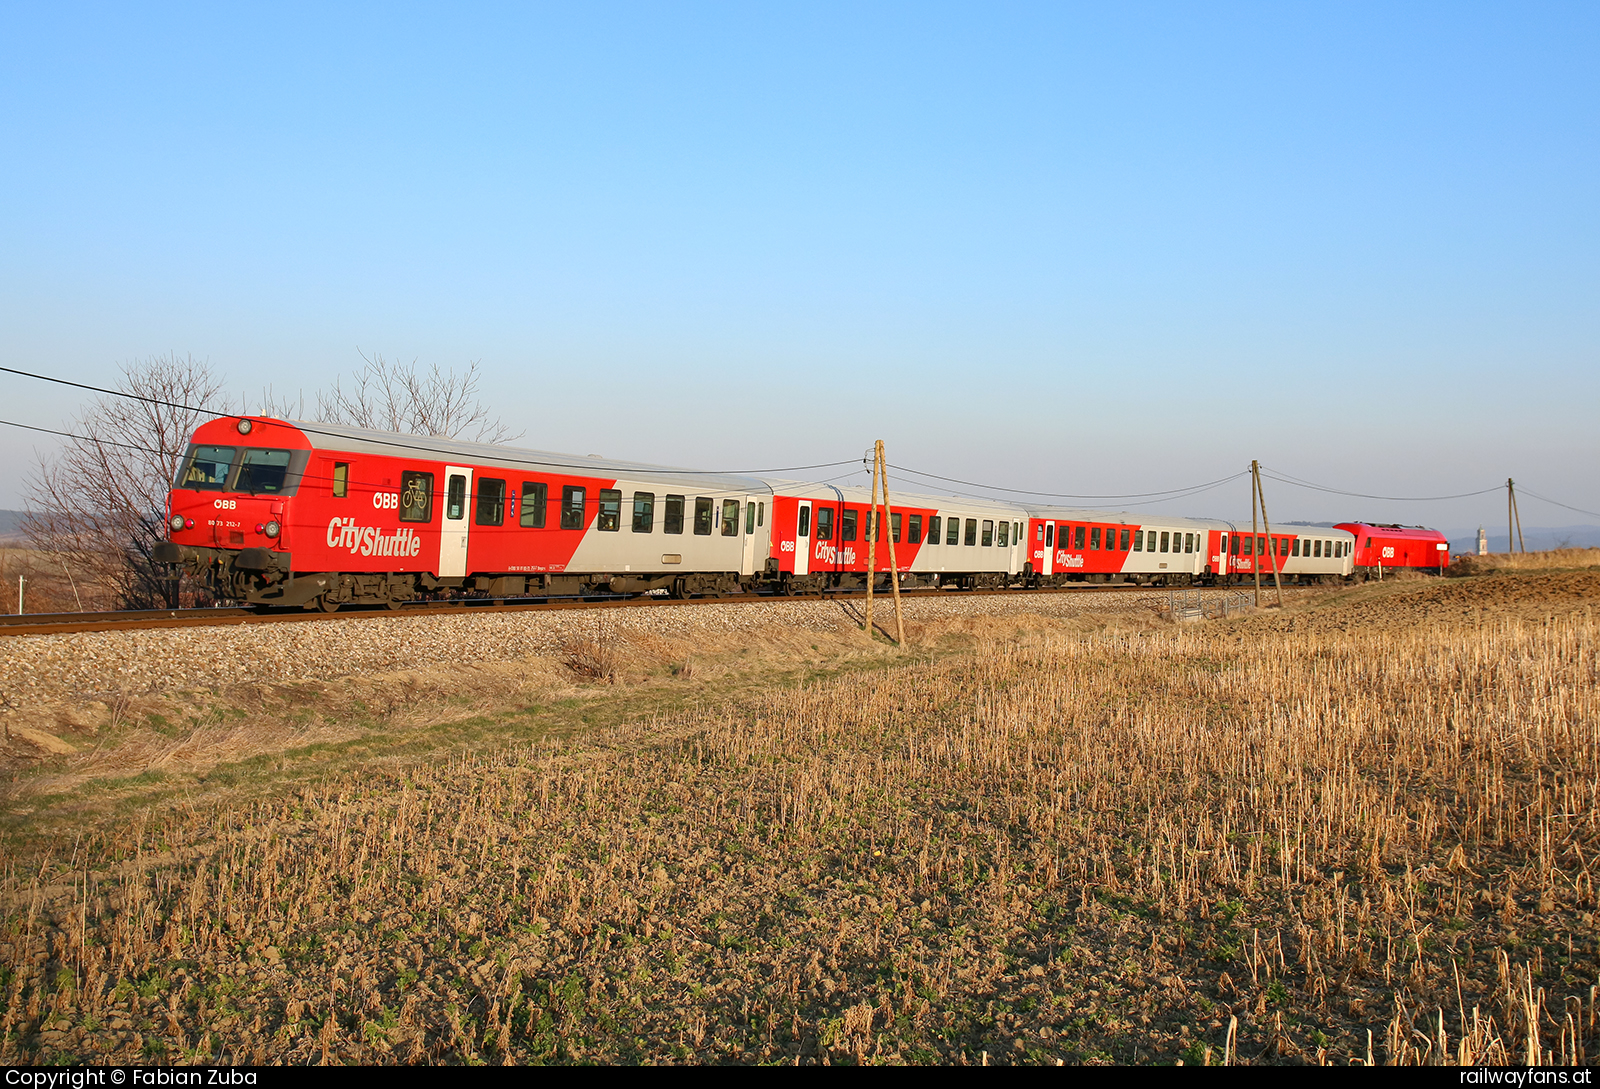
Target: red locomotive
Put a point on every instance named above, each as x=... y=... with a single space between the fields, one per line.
x=1382 y=548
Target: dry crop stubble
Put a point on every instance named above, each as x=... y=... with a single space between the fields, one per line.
x=1113 y=845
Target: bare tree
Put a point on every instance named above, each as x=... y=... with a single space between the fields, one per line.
x=399 y=397
x=99 y=505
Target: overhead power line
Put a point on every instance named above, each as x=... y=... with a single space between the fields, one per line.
x=1565 y=506
x=1298 y=483
x=398 y=444
x=1170 y=492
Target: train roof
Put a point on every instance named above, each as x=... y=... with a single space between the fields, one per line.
x=361 y=440
x=1418 y=533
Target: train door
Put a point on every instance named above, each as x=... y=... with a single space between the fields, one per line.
x=457 y=517
x=747 y=562
x=1047 y=565
x=802 y=538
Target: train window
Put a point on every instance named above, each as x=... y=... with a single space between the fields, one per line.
x=672 y=516
x=988 y=533
x=1124 y=546
x=644 y=512
x=914 y=530
x=455 y=503
x=1094 y=539
x=805 y=521
x=207 y=468
x=1077 y=537
x=416 y=497
x=972 y=532
x=1050 y=535
x=847 y=525
x=1164 y=537
x=1296 y=548
x=730 y=517
x=749 y=517
x=761 y=514
x=894 y=527
x=491 y=503
x=953 y=531
x=704 y=515
x=609 y=519
x=1369 y=542
x=935 y=526
x=824 y=523
x=1316 y=549
x=1261 y=546
x=573 y=501
x=341 y=479
x=263 y=472
x=534 y=498
x=1038 y=534
x=1188 y=542
x=1138 y=539
x=1001 y=540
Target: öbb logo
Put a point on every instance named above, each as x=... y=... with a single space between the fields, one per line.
x=371 y=541
x=385 y=500
x=225 y=504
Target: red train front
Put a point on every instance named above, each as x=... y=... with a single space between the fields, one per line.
x=1382 y=548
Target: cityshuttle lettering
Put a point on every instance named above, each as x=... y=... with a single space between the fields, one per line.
x=372 y=541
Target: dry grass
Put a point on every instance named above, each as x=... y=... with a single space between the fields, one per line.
x=1553 y=560
x=1132 y=844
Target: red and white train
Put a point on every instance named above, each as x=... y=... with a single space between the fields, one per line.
x=319 y=515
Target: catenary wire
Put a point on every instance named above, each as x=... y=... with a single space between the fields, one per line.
x=1567 y=506
x=1173 y=492
x=1295 y=482
x=400 y=444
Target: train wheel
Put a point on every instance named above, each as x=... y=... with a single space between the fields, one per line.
x=327 y=604
x=395 y=604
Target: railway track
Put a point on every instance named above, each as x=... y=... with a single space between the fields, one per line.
x=68 y=623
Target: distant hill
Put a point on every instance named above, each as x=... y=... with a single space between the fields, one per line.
x=11 y=525
x=1536 y=538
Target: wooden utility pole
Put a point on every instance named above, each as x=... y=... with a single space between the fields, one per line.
x=1272 y=542
x=1255 y=561
x=880 y=481
x=1513 y=518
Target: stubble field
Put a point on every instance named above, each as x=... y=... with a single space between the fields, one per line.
x=1357 y=831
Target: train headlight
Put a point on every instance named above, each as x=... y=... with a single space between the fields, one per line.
x=245 y=426
x=177 y=522
x=272 y=529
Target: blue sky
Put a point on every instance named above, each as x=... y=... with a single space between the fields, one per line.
x=1089 y=249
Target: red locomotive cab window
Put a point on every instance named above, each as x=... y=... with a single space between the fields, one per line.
x=1369 y=542
x=416 y=497
x=1050 y=535
x=341 y=479
x=824 y=523
x=804 y=529
x=207 y=467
